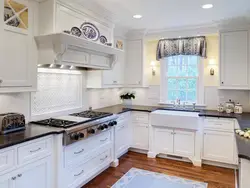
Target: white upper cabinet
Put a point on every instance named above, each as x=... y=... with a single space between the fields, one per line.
x=18 y=49
x=234 y=59
x=134 y=64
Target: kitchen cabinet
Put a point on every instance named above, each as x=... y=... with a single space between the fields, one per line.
x=134 y=74
x=139 y=121
x=171 y=141
x=6 y=181
x=219 y=146
x=163 y=140
x=234 y=59
x=37 y=175
x=244 y=173
x=184 y=143
x=121 y=138
x=108 y=78
x=140 y=136
x=18 y=53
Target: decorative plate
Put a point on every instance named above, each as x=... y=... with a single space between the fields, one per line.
x=8 y=13
x=103 y=39
x=76 y=31
x=90 y=31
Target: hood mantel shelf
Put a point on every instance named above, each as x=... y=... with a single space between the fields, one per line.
x=58 y=45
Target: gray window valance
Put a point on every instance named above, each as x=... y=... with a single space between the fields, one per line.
x=182 y=46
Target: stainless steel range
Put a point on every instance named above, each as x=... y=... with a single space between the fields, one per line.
x=81 y=125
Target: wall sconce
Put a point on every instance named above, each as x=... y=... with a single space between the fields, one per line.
x=212 y=63
x=153 y=66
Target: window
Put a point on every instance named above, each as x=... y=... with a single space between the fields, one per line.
x=181 y=79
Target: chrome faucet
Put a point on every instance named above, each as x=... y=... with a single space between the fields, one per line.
x=194 y=105
x=178 y=101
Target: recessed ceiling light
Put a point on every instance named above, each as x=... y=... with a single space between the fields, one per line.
x=137 y=16
x=207 y=6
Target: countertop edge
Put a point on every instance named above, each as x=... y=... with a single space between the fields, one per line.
x=31 y=138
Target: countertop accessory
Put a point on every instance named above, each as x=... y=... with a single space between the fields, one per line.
x=229 y=106
x=108 y=44
x=238 y=109
x=10 y=122
x=76 y=31
x=220 y=108
x=90 y=31
x=103 y=39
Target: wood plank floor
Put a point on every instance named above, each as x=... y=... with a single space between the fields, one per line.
x=216 y=177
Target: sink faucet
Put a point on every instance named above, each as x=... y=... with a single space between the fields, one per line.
x=194 y=105
x=178 y=101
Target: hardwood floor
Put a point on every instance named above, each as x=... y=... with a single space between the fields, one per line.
x=216 y=177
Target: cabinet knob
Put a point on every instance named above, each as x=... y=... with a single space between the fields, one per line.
x=19 y=175
x=222 y=82
x=13 y=178
x=1 y=81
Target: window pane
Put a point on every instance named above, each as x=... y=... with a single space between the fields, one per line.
x=172 y=95
x=192 y=84
x=192 y=71
x=182 y=84
x=182 y=95
x=182 y=70
x=172 y=71
x=172 y=84
x=191 y=96
x=172 y=61
x=192 y=60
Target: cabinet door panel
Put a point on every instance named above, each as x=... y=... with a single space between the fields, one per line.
x=234 y=59
x=6 y=181
x=122 y=135
x=35 y=175
x=184 y=143
x=140 y=137
x=101 y=61
x=219 y=146
x=163 y=140
x=134 y=63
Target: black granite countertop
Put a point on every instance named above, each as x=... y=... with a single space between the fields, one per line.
x=31 y=132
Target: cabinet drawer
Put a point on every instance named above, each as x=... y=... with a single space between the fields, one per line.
x=32 y=150
x=6 y=160
x=140 y=117
x=219 y=124
x=76 y=175
x=80 y=151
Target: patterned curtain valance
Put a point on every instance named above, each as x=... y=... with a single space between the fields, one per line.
x=182 y=46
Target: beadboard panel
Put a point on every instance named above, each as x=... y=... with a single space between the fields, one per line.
x=57 y=90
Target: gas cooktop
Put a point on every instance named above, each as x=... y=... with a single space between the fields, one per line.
x=73 y=119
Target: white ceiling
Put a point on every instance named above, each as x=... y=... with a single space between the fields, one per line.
x=163 y=14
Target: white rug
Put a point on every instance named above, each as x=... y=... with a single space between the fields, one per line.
x=137 y=178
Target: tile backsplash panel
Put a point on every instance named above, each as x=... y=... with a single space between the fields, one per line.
x=57 y=91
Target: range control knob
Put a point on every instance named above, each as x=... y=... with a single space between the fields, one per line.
x=101 y=128
x=91 y=131
x=106 y=126
x=81 y=135
x=111 y=124
x=74 y=136
x=115 y=122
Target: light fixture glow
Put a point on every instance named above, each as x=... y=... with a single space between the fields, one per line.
x=207 y=6
x=137 y=16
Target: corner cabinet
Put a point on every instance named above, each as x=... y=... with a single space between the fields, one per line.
x=18 y=65
x=234 y=60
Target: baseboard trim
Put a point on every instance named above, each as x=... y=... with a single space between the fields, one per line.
x=138 y=150
x=224 y=165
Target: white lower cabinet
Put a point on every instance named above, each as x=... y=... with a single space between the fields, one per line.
x=37 y=175
x=170 y=141
x=140 y=136
x=163 y=140
x=219 y=146
x=121 y=138
x=184 y=143
x=36 y=171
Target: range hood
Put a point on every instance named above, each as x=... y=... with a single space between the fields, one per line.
x=68 y=50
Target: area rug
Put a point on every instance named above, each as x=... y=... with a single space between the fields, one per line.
x=137 y=178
